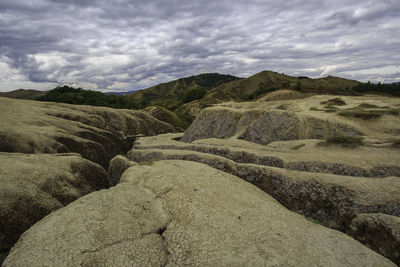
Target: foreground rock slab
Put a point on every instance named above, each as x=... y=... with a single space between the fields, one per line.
x=32 y=186
x=176 y=213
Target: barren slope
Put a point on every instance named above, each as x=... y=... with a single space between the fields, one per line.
x=96 y=133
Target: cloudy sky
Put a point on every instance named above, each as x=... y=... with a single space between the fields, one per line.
x=119 y=45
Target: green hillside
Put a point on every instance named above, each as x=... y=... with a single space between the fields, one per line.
x=268 y=81
x=173 y=94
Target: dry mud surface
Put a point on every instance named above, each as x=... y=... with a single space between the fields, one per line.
x=277 y=146
x=246 y=184
x=184 y=213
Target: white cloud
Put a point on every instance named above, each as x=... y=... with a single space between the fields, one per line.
x=125 y=45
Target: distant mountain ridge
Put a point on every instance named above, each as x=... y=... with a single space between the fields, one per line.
x=29 y=94
x=215 y=87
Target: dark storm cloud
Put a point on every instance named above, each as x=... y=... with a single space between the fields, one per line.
x=122 y=45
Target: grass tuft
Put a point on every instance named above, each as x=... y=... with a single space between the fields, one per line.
x=361 y=114
x=283 y=106
x=368 y=114
x=344 y=140
x=396 y=143
x=334 y=101
x=298 y=147
x=368 y=105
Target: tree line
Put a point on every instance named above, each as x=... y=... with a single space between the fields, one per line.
x=79 y=96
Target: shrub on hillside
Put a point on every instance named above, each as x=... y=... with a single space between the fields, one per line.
x=368 y=114
x=334 y=102
x=193 y=94
x=393 y=89
x=344 y=140
x=79 y=96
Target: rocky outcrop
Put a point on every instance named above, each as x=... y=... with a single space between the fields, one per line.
x=311 y=158
x=166 y=219
x=331 y=199
x=97 y=133
x=380 y=232
x=262 y=126
x=32 y=186
x=328 y=184
x=314 y=117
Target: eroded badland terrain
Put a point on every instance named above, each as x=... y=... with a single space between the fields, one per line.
x=286 y=179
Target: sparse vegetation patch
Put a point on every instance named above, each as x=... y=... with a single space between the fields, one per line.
x=344 y=140
x=396 y=143
x=368 y=105
x=283 y=106
x=368 y=114
x=334 y=102
x=298 y=147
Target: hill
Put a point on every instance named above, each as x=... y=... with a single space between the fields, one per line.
x=268 y=81
x=29 y=94
x=172 y=94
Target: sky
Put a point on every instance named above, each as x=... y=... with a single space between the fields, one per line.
x=121 y=45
